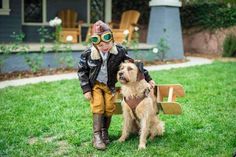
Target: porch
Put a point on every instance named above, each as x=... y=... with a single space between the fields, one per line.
x=36 y=56
x=31 y=21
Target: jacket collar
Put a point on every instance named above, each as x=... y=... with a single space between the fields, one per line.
x=96 y=56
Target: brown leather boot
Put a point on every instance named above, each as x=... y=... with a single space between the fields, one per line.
x=105 y=126
x=97 y=138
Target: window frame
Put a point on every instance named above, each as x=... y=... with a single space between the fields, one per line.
x=5 y=10
x=44 y=14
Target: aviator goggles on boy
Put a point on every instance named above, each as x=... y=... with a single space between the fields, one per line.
x=105 y=37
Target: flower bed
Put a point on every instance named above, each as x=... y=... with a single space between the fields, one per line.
x=52 y=60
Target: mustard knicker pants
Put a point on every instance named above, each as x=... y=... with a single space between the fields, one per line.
x=103 y=100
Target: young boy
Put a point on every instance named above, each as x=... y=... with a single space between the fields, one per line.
x=98 y=67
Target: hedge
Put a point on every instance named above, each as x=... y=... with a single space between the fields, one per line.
x=205 y=14
x=208 y=15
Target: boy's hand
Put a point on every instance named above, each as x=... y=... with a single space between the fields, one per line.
x=152 y=83
x=88 y=95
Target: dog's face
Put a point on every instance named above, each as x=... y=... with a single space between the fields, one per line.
x=128 y=73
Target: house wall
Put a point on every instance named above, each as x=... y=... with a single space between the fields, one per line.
x=32 y=34
x=10 y=23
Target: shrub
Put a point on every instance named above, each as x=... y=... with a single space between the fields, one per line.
x=208 y=15
x=229 y=46
x=163 y=47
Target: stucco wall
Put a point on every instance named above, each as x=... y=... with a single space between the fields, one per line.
x=205 y=41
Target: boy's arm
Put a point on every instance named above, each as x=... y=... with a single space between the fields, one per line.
x=147 y=76
x=83 y=73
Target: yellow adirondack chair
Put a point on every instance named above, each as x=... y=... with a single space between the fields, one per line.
x=70 y=25
x=167 y=91
x=129 y=20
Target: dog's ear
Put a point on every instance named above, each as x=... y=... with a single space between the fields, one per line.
x=140 y=66
x=140 y=74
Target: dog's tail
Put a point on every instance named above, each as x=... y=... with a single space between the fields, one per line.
x=160 y=128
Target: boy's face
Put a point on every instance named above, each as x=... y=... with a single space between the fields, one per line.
x=103 y=41
x=105 y=47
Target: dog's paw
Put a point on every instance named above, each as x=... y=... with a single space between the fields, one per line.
x=141 y=146
x=121 y=139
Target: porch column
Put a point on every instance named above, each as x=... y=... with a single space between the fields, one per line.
x=108 y=11
x=165 y=23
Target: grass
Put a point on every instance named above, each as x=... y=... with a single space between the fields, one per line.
x=53 y=119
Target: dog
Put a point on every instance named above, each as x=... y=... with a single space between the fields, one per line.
x=138 y=104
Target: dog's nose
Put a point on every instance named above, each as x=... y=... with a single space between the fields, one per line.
x=121 y=73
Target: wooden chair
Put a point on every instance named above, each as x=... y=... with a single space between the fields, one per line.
x=70 y=25
x=166 y=98
x=129 y=20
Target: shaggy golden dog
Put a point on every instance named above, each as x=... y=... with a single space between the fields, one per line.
x=139 y=104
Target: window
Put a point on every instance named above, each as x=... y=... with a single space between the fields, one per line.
x=34 y=12
x=97 y=8
x=4 y=7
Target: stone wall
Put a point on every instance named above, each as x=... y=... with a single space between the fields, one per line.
x=205 y=41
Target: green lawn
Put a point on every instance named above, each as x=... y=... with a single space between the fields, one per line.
x=53 y=119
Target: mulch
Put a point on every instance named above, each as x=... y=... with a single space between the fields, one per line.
x=216 y=57
x=28 y=74
x=203 y=55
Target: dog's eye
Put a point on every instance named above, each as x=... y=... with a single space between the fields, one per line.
x=129 y=68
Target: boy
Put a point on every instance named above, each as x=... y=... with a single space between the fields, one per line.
x=98 y=67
